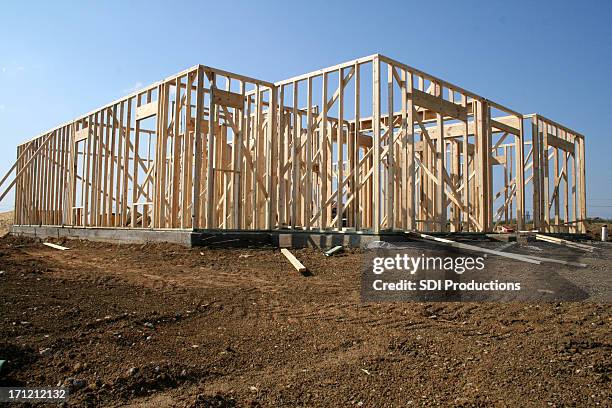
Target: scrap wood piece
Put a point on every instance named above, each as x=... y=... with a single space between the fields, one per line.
x=334 y=250
x=504 y=229
x=558 y=261
x=564 y=242
x=61 y=248
x=294 y=261
x=523 y=258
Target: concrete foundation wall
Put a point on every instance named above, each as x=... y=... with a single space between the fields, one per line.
x=212 y=238
x=117 y=235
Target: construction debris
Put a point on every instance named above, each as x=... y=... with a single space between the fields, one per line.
x=504 y=229
x=335 y=250
x=294 y=261
x=524 y=258
x=468 y=247
x=564 y=242
x=557 y=261
x=61 y=248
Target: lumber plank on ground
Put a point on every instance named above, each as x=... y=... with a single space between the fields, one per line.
x=294 y=261
x=558 y=261
x=334 y=250
x=564 y=242
x=469 y=247
x=525 y=258
x=61 y=248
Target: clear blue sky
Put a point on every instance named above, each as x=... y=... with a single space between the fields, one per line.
x=62 y=59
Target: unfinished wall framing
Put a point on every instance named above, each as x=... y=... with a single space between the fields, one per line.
x=367 y=145
x=560 y=179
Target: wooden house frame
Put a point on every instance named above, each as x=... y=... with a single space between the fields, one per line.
x=560 y=176
x=368 y=145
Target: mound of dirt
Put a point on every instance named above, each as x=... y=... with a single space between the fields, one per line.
x=6 y=220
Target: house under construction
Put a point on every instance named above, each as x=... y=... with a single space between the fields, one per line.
x=370 y=145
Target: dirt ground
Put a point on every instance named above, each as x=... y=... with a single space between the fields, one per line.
x=162 y=325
